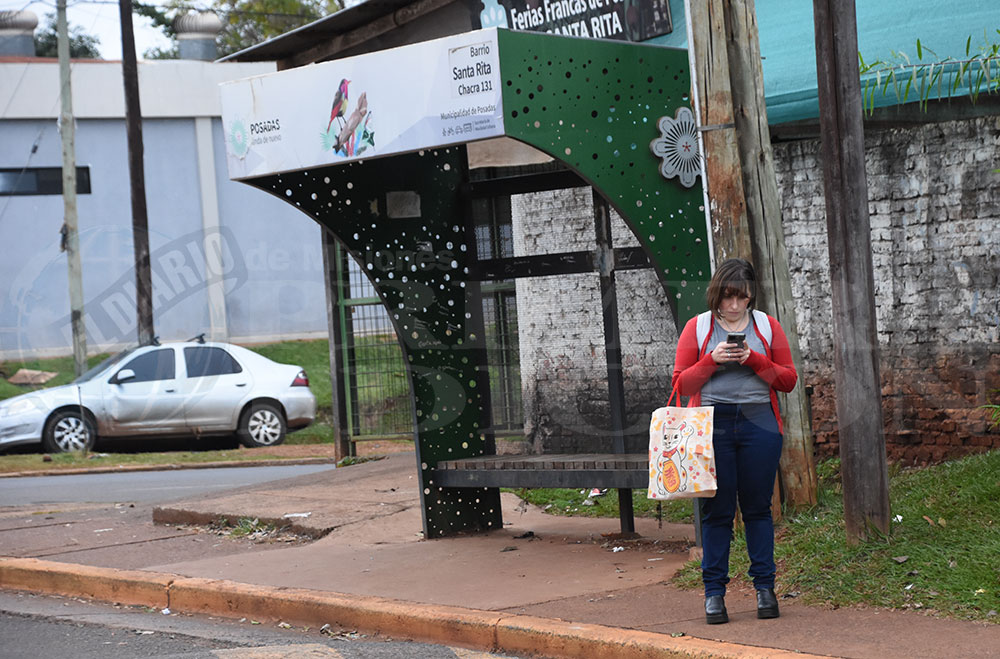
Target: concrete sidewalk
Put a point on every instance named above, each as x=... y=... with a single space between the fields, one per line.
x=551 y=585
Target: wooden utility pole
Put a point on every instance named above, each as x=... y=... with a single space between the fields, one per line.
x=743 y=193
x=713 y=103
x=798 y=471
x=137 y=178
x=855 y=341
x=71 y=236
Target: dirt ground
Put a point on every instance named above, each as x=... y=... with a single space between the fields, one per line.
x=363 y=449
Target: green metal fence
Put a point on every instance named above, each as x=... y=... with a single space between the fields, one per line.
x=379 y=405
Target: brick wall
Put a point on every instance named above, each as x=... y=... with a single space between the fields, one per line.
x=935 y=216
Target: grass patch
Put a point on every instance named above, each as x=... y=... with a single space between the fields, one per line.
x=940 y=554
x=63 y=366
x=561 y=501
x=28 y=462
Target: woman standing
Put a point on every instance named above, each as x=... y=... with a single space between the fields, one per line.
x=739 y=378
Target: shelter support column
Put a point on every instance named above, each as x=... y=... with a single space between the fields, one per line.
x=612 y=347
x=335 y=274
x=403 y=219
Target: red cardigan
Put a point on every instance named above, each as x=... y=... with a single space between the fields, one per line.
x=693 y=365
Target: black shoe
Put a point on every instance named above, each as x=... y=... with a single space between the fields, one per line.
x=767 y=603
x=715 y=610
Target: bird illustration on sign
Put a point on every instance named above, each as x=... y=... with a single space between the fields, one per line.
x=354 y=132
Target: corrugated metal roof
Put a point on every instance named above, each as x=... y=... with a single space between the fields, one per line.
x=317 y=32
x=787 y=40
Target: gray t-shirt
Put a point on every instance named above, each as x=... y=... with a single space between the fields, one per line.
x=735 y=383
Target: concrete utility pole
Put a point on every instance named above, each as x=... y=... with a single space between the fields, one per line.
x=137 y=176
x=71 y=237
x=745 y=209
x=855 y=340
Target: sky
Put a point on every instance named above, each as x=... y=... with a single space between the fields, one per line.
x=98 y=18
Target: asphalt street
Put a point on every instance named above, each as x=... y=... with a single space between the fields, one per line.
x=141 y=486
x=34 y=626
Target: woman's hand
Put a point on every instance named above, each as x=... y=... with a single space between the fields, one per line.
x=730 y=353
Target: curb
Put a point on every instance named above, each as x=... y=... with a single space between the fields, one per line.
x=448 y=625
x=170 y=467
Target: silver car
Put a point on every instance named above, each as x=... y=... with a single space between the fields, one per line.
x=185 y=388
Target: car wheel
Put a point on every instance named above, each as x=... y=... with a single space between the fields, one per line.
x=68 y=430
x=262 y=424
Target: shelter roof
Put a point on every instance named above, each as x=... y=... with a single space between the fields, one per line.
x=887 y=30
x=305 y=37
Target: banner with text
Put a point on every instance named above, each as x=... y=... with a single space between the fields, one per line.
x=627 y=20
x=415 y=97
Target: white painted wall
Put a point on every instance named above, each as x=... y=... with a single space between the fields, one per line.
x=265 y=284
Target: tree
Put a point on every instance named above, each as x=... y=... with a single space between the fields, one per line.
x=250 y=22
x=245 y=22
x=81 y=44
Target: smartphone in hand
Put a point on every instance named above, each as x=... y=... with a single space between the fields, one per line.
x=736 y=337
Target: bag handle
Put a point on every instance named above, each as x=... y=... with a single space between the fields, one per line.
x=671 y=397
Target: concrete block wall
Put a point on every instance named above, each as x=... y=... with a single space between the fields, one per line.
x=561 y=332
x=934 y=203
x=935 y=217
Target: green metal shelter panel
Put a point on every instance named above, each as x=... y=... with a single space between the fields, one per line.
x=384 y=169
x=404 y=218
x=598 y=106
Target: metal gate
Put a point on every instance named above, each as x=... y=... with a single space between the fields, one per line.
x=379 y=404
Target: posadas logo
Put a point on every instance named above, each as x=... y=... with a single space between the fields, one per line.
x=239 y=138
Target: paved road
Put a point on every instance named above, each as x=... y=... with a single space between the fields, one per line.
x=140 y=486
x=33 y=626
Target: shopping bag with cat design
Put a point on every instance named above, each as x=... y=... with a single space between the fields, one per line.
x=681 y=459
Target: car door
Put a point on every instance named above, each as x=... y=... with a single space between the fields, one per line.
x=142 y=396
x=214 y=388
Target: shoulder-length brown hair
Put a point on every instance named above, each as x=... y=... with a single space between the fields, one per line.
x=733 y=277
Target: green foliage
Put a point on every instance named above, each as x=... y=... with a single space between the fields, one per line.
x=359 y=459
x=978 y=72
x=250 y=22
x=939 y=555
x=570 y=502
x=159 y=16
x=994 y=408
x=81 y=44
x=245 y=22
x=173 y=52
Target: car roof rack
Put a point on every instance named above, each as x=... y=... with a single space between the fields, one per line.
x=198 y=339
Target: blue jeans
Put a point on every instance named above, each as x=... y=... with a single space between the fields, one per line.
x=747 y=448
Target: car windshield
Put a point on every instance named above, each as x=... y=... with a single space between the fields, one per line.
x=93 y=372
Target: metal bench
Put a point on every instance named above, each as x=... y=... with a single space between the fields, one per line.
x=622 y=471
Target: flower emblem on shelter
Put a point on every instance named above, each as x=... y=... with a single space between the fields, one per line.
x=677 y=147
x=239 y=138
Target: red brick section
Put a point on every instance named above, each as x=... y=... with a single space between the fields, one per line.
x=482 y=630
x=932 y=407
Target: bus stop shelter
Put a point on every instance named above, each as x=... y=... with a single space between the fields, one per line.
x=373 y=148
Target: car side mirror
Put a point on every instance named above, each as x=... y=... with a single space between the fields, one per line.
x=124 y=375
